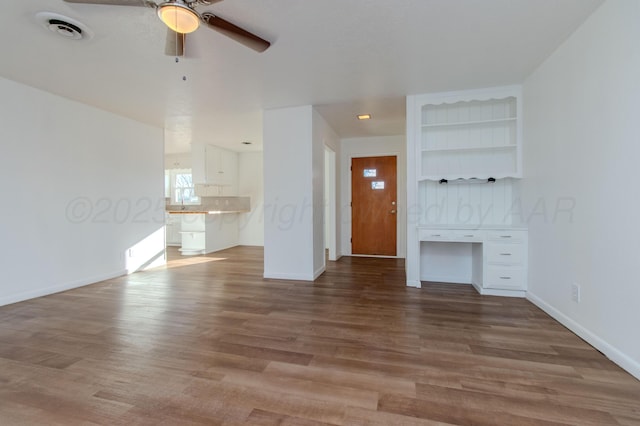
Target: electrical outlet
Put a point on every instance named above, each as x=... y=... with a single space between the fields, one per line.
x=575 y=293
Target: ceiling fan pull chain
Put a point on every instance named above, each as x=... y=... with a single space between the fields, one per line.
x=176 y=45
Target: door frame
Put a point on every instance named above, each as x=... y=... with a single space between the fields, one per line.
x=400 y=208
x=330 y=198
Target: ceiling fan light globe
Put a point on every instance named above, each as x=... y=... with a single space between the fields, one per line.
x=179 y=17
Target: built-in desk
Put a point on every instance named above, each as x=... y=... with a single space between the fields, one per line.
x=492 y=259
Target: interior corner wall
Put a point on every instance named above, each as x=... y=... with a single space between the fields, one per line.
x=289 y=225
x=580 y=194
x=251 y=184
x=371 y=147
x=83 y=199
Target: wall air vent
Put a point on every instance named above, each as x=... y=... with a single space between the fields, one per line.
x=64 y=26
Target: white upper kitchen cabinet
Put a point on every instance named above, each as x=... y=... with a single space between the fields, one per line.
x=213 y=165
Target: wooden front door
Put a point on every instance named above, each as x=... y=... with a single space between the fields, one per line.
x=373 y=206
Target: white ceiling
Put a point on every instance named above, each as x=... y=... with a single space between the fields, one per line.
x=345 y=56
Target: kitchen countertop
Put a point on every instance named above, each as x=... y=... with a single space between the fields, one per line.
x=212 y=205
x=206 y=212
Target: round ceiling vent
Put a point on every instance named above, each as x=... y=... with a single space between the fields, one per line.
x=64 y=26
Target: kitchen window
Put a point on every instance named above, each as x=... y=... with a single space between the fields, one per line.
x=182 y=190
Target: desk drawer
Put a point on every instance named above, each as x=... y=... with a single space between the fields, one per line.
x=507 y=236
x=468 y=235
x=505 y=254
x=435 y=235
x=505 y=278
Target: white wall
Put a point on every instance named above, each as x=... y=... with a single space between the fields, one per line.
x=371 y=147
x=288 y=194
x=581 y=149
x=82 y=188
x=251 y=184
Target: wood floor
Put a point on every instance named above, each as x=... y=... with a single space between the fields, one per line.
x=207 y=341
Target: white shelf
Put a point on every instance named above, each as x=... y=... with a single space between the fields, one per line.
x=470 y=123
x=457 y=176
x=474 y=148
x=458 y=136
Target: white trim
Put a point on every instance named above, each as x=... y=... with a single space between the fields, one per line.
x=449 y=279
x=20 y=297
x=611 y=352
x=415 y=284
x=232 y=245
x=502 y=293
x=287 y=276
x=330 y=197
x=375 y=255
x=319 y=272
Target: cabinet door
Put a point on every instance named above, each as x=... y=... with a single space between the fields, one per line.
x=228 y=167
x=173 y=226
x=214 y=165
x=199 y=163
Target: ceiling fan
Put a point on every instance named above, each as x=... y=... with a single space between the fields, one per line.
x=181 y=17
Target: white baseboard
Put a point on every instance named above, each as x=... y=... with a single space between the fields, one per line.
x=414 y=283
x=376 y=256
x=319 y=272
x=624 y=361
x=32 y=294
x=446 y=279
x=225 y=247
x=287 y=276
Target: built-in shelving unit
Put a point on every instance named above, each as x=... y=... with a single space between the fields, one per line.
x=469 y=134
x=467 y=152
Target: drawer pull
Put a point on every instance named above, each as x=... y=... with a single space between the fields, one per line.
x=469 y=236
x=436 y=235
x=505 y=278
x=505 y=236
x=505 y=254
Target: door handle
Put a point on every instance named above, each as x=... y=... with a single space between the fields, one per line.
x=392 y=212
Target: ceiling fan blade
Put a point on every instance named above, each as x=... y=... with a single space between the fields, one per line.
x=236 y=33
x=175 y=43
x=141 y=3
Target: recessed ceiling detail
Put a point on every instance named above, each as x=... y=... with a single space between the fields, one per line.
x=64 y=26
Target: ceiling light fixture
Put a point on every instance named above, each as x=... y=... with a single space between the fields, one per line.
x=179 y=17
x=364 y=117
